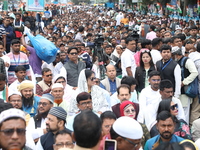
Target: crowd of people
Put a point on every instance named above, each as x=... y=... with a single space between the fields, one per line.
x=117 y=75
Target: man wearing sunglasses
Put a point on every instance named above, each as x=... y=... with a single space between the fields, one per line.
x=12 y=129
x=44 y=86
x=73 y=67
x=37 y=125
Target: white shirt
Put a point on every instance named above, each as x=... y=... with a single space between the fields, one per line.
x=27 y=30
x=156 y=56
x=13 y=87
x=35 y=133
x=128 y=60
x=147 y=100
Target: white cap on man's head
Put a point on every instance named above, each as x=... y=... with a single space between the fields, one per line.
x=128 y=127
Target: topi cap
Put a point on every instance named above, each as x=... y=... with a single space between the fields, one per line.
x=48 y=97
x=25 y=84
x=58 y=112
x=128 y=127
x=176 y=50
x=10 y=113
x=13 y=93
x=57 y=85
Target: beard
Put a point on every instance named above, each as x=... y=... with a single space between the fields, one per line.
x=27 y=102
x=166 y=136
x=42 y=115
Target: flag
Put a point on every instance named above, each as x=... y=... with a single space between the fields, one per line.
x=158 y=5
x=170 y=7
x=198 y=5
x=179 y=8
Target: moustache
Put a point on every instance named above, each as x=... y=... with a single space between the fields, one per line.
x=166 y=132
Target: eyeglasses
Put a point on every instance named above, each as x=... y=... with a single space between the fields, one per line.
x=130 y=111
x=43 y=104
x=49 y=75
x=93 y=78
x=67 y=144
x=61 y=82
x=86 y=103
x=173 y=107
x=15 y=101
x=9 y=132
x=155 y=80
x=135 y=145
x=73 y=53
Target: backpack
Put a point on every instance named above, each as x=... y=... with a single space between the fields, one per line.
x=191 y=90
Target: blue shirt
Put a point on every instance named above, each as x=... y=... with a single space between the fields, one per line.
x=155 y=141
x=113 y=86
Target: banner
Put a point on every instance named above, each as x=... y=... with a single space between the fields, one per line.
x=35 y=5
x=3 y=5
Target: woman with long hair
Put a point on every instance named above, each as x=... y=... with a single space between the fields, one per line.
x=86 y=83
x=181 y=127
x=142 y=71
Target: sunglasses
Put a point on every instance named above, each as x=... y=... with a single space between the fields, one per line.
x=134 y=144
x=173 y=107
x=93 y=78
x=73 y=53
x=49 y=75
x=9 y=132
x=130 y=111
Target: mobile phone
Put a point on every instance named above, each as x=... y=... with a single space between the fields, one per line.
x=110 y=144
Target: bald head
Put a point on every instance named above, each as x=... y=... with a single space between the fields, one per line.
x=111 y=72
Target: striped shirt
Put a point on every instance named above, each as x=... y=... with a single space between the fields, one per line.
x=2 y=31
x=16 y=60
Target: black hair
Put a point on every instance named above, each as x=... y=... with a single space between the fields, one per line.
x=81 y=29
x=165 y=47
x=152 y=27
x=62 y=132
x=198 y=46
x=154 y=73
x=15 y=41
x=5 y=106
x=174 y=37
x=17 y=14
x=107 y=115
x=156 y=41
x=128 y=80
x=142 y=63
x=145 y=42
x=44 y=70
x=162 y=28
x=193 y=27
x=126 y=86
x=166 y=83
x=2 y=77
x=169 y=146
x=71 y=48
x=187 y=144
x=129 y=39
x=87 y=129
x=181 y=36
x=164 y=105
x=163 y=115
x=83 y=96
x=88 y=73
x=61 y=77
x=19 y=68
x=108 y=46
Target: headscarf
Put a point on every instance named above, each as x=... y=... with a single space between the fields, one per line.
x=123 y=105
